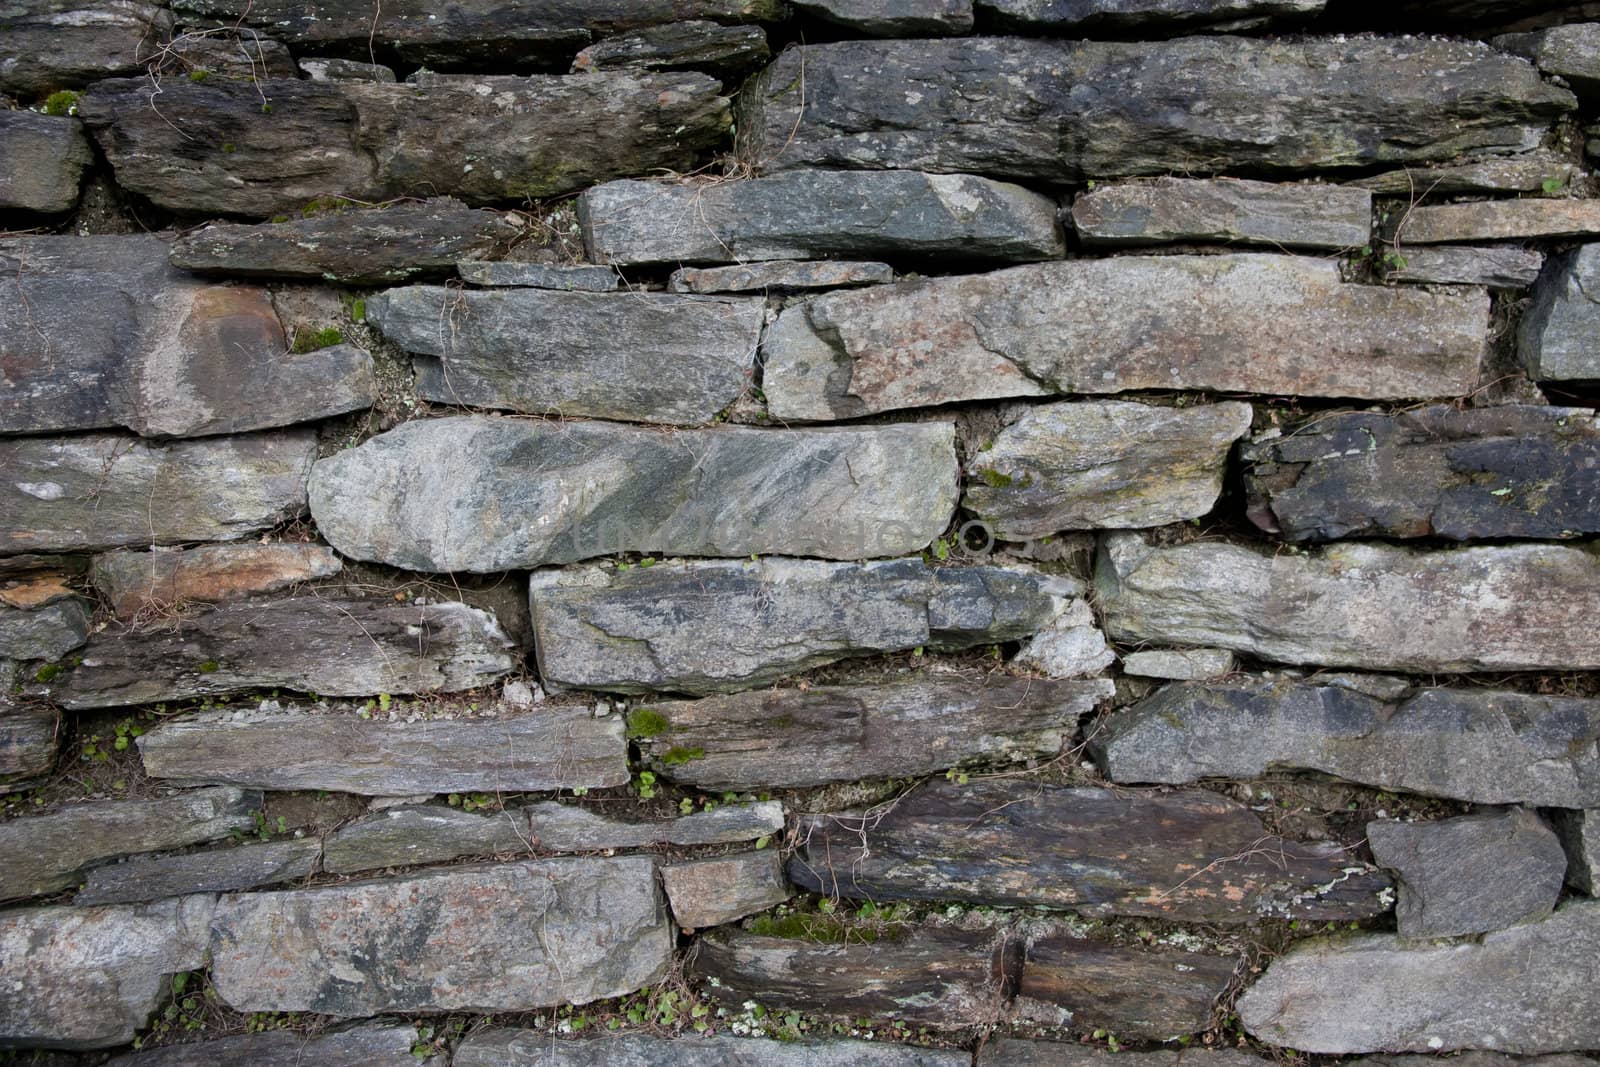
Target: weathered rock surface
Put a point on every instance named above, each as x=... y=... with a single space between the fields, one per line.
x=1103 y=464
x=27 y=738
x=1571 y=52
x=58 y=44
x=548 y=748
x=1249 y=323
x=1190 y=855
x=83 y=978
x=1224 y=210
x=333 y=646
x=480 y=494
x=247 y=56
x=47 y=852
x=584 y=278
x=1089 y=985
x=41 y=161
x=1015 y=1052
x=894 y=18
x=1179 y=664
x=214 y=870
x=534 y=1048
x=1090 y=17
x=1495 y=267
x=724 y=889
x=323 y=69
x=797 y=738
x=365 y=1045
x=693 y=44
x=1556 y=337
x=1102 y=109
x=1528 y=989
x=1525 y=172
x=818 y=215
x=579 y=828
x=1460 y=474
x=1071 y=646
x=164 y=579
x=651 y=357
x=1580 y=837
x=431 y=833
x=500 y=937
x=779 y=275
x=49 y=632
x=722 y=626
x=353 y=247
x=1498 y=220
x=938 y=978
x=1371 y=606
x=1482 y=746
x=1471 y=874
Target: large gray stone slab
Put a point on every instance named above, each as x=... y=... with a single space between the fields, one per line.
x=1556 y=337
x=1102 y=464
x=1571 y=52
x=374 y=1044
x=818 y=215
x=1103 y=109
x=1372 y=606
x=163 y=580
x=535 y=1048
x=724 y=889
x=500 y=937
x=648 y=357
x=548 y=748
x=1088 y=18
x=1494 y=267
x=48 y=852
x=431 y=833
x=1471 y=874
x=47 y=632
x=893 y=18
x=210 y=871
x=1224 y=211
x=42 y=158
x=1246 y=323
x=1528 y=989
x=1580 y=837
x=1526 y=172
x=1459 y=474
x=1497 y=220
x=86 y=978
x=1477 y=745
x=479 y=494
x=64 y=44
x=581 y=828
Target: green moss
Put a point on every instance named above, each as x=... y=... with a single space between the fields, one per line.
x=801 y=926
x=279 y=218
x=646 y=722
x=47 y=673
x=311 y=340
x=199 y=75
x=994 y=479
x=323 y=205
x=358 y=310
x=677 y=755
x=61 y=102
x=210 y=666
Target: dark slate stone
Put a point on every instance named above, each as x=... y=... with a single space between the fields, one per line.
x=584 y=278
x=1155 y=993
x=893 y=18
x=1570 y=52
x=1496 y=220
x=41 y=161
x=1580 y=837
x=245 y=56
x=1224 y=211
x=536 y=1048
x=213 y=870
x=1498 y=267
x=1088 y=18
x=1016 y=1052
x=45 y=633
x=370 y=1044
x=1529 y=173
x=28 y=733
x=323 y=69
x=431 y=833
x=693 y=44
x=64 y=44
x=779 y=275
x=1556 y=338
x=588 y=828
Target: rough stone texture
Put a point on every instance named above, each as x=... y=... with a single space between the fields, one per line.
x=41 y=161
x=1556 y=338
x=482 y=495
x=585 y=278
x=1248 y=323
x=1497 y=268
x=1459 y=474
x=375 y=1044
x=1526 y=172
x=1528 y=989
x=1091 y=17
x=721 y=626
x=534 y=1048
x=579 y=828
x=528 y=137
x=797 y=738
x=101 y=331
x=214 y=870
x=246 y=56
x=1226 y=211
x=1071 y=646
x=319 y=69
x=1498 y=220
x=893 y=18
x=433 y=833
x=47 y=852
x=780 y=275
x=27 y=738
x=49 y=632
x=1180 y=665
x=1103 y=464
x=1371 y=606
x=693 y=44
x=1089 y=985
x=83 y=978
x=818 y=215
x=937 y=978
x=724 y=889
x=333 y=646
x=501 y=937
x=1471 y=874
x=1190 y=855
x=1015 y=1052
x=651 y=357
x=1580 y=837
x=56 y=44
x=1271 y=107
x=353 y=247
x=162 y=579
x=1482 y=746
x=547 y=748
x=1571 y=52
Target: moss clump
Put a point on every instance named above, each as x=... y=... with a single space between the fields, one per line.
x=210 y=666
x=646 y=722
x=199 y=74
x=994 y=479
x=803 y=926
x=323 y=205
x=678 y=755
x=61 y=102
x=358 y=310
x=311 y=340
x=47 y=673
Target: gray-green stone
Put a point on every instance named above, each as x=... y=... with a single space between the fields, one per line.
x=1224 y=211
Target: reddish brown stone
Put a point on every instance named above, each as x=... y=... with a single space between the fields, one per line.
x=140 y=581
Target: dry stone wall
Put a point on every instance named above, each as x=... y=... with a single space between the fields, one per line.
x=856 y=532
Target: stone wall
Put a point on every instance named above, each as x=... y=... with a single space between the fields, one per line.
x=958 y=532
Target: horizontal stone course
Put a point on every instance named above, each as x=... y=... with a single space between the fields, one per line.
x=161 y=580
x=208 y=871
x=535 y=1048
x=1498 y=220
x=374 y=1044
x=1496 y=267
x=1226 y=211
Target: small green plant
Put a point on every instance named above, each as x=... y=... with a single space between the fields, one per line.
x=358 y=310
x=1110 y=1039
x=61 y=102
x=470 y=801
x=1551 y=186
x=678 y=755
x=646 y=722
x=645 y=785
x=995 y=479
x=384 y=700
x=311 y=340
x=199 y=74
x=958 y=777
x=47 y=673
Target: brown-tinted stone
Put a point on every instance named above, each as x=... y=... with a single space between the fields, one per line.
x=160 y=580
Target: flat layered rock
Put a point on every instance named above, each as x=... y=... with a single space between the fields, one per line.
x=798 y=738
x=1090 y=985
x=501 y=937
x=48 y=632
x=1179 y=664
x=58 y=44
x=724 y=889
x=779 y=275
x=42 y=158
x=1460 y=474
x=1226 y=211
x=1475 y=745
x=1275 y=107
x=48 y=852
x=329 y=69
x=1555 y=339
x=1498 y=220
x=818 y=215
x=1528 y=172
x=374 y=1044
x=1471 y=874
x=580 y=828
x=1494 y=267
x=1528 y=989
x=1571 y=52
x=86 y=978
x=549 y=748
x=650 y=357
x=353 y=247
x=159 y=580
x=1103 y=464
x=333 y=646
x=722 y=626
x=211 y=871
x=1369 y=606
x=1015 y=1052
x=480 y=494
x=1089 y=17
x=535 y=1048
x=693 y=44
x=103 y=332
x=1580 y=837
x=1247 y=323
x=582 y=278
x=1189 y=855
x=431 y=833
x=28 y=735
x=893 y=18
